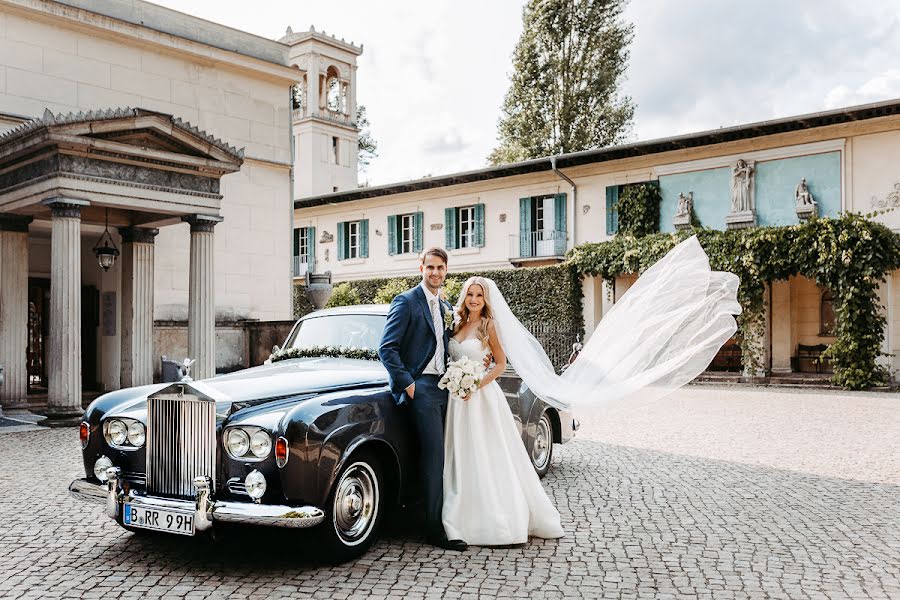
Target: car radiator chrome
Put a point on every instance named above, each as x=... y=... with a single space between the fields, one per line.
x=181 y=441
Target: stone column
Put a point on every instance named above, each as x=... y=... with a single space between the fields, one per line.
x=201 y=296
x=137 y=306
x=781 y=327
x=313 y=97
x=352 y=99
x=14 y=311
x=64 y=368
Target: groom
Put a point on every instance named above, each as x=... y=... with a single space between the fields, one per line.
x=414 y=352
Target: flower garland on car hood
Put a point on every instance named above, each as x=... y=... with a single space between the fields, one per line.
x=323 y=351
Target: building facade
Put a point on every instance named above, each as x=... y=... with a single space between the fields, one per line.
x=531 y=213
x=183 y=143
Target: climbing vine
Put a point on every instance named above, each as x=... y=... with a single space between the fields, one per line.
x=638 y=208
x=850 y=255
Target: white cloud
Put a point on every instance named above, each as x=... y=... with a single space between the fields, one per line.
x=881 y=87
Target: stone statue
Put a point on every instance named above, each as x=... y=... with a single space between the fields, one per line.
x=802 y=194
x=685 y=204
x=742 y=187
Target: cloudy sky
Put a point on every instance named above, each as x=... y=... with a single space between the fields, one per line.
x=433 y=74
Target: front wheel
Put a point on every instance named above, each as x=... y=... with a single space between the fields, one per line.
x=542 y=447
x=354 y=509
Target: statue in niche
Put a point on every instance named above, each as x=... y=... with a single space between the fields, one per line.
x=685 y=204
x=742 y=187
x=802 y=194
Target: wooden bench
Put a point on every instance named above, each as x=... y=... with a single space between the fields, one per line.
x=809 y=359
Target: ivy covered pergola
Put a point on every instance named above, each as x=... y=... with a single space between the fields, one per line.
x=850 y=256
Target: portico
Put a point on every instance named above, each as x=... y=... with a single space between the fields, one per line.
x=69 y=177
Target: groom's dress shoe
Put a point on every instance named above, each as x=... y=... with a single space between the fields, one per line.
x=446 y=544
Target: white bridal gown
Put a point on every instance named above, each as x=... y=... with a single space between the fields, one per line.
x=492 y=496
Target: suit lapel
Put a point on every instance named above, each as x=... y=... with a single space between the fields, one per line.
x=423 y=303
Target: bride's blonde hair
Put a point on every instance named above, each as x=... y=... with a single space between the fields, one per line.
x=462 y=311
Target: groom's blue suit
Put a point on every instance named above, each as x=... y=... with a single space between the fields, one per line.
x=407 y=346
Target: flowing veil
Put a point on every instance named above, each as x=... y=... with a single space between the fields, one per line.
x=661 y=334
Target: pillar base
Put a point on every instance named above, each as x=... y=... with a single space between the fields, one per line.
x=62 y=417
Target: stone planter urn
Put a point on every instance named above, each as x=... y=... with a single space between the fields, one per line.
x=318 y=288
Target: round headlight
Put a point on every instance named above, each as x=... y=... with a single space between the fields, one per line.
x=260 y=444
x=237 y=441
x=100 y=468
x=116 y=432
x=136 y=434
x=255 y=483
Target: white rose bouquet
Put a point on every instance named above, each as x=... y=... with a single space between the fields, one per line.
x=463 y=377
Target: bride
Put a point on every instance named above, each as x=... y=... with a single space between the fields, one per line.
x=661 y=334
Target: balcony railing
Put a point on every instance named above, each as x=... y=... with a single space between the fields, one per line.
x=301 y=265
x=536 y=244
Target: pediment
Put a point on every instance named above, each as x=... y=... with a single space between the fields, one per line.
x=150 y=139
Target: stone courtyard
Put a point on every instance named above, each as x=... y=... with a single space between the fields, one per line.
x=713 y=493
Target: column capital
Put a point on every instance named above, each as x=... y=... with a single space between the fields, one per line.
x=16 y=223
x=137 y=235
x=202 y=223
x=65 y=207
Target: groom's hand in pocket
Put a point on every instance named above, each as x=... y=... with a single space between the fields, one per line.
x=411 y=391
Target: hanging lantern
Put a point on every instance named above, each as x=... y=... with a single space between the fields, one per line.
x=107 y=253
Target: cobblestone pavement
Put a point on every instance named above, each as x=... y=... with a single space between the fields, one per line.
x=711 y=494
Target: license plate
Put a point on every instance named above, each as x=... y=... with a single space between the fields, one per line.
x=159 y=519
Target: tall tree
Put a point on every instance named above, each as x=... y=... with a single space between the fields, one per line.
x=367 y=147
x=567 y=68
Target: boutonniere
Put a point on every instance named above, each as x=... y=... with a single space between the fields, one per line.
x=449 y=320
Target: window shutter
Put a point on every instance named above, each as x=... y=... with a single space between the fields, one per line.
x=479 y=225
x=559 y=224
x=340 y=232
x=450 y=228
x=364 y=238
x=392 y=235
x=311 y=241
x=525 y=227
x=612 y=215
x=418 y=232
x=296 y=242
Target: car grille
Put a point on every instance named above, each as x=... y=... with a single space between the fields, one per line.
x=181 y=444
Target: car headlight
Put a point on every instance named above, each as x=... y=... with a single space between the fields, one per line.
x=237 y=442
x=100 y=468
x=260 y=443
x=124 y=433
x=136 y=434
x=255 y=482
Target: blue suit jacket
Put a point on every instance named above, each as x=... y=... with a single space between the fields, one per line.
x=408 y=341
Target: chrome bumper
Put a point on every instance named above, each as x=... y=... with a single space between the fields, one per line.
x=205 y=510
x=568 y=425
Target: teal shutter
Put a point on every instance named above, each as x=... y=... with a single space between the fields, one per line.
x=559 y=220
x=479 y=225
x=525 y=227
x=311 y=240
x=364 y=238
x=418 y=232
x=450 y=228
x=342 y=252
x=612 y=215
x=392 y=235
x=296 y=242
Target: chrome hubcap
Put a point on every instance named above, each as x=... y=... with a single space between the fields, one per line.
x=540 y=452
x=355 y=503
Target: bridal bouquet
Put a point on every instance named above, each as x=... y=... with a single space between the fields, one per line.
x=463 y=377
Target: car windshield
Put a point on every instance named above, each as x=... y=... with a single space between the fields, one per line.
x=361 y=331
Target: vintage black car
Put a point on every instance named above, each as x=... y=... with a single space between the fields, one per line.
x=308 y=442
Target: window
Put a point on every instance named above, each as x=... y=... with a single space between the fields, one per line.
x=304 y=250
x=826 y=314
x=405 y=233
x=353 y=239
x=542 y=226
x=335 y=150
x=464 y=226
x=612 y=214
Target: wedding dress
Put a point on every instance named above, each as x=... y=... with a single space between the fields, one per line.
x=492 y=495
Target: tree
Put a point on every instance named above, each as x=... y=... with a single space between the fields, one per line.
x=564 y=91
x=367 y=148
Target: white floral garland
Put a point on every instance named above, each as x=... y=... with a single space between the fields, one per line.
x=326 y=351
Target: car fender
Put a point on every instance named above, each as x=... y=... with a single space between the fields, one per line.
x=351 y=438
